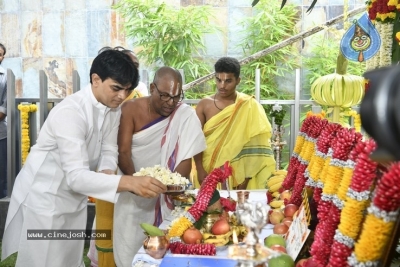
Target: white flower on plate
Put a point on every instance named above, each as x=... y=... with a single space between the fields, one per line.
x=163 y=174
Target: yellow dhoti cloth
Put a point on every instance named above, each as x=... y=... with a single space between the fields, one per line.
x=104 y=221
x=241 y=134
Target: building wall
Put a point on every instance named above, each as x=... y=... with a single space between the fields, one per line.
x=60 y=36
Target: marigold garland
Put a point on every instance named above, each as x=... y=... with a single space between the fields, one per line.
x=379 y=223
x=181 y=224
x=25 y=109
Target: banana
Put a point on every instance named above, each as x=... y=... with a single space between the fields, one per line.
x=217 y=241
x=275 y=187
x=274 y=180
x=280 y=172
x=275 y=194
x=276 y=203
x=212 y=236
x=152 y=230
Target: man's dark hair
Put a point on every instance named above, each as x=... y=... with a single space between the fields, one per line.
x=228 y=65
x=4 y=48
x=115 y=65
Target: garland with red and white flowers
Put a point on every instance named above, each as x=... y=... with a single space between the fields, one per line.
x=380 y=220
x=329 y=207
x=357 y=198
x=181 y=224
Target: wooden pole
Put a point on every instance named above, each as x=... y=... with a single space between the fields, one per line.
x=275 y=47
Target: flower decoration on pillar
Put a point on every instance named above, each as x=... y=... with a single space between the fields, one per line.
x=25 y=109
x=356 y=200
x=380 y=221
x=317 y=162
x=330 y=206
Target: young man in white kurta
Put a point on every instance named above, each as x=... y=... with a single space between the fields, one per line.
x=78 y=138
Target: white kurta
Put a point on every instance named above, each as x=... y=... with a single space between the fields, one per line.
x=183 y=134
x=50 y=192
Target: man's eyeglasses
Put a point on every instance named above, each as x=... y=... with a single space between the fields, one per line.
x=166 y=97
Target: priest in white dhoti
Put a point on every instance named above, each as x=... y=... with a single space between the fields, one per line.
x=154 y=130
x=78 y=138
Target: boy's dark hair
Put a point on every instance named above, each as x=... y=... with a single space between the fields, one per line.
x=4 y=48
x=228 y=65
x=115 y=65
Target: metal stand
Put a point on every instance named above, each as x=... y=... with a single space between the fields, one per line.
x=251 y=253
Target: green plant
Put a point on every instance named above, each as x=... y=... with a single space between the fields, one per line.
x=268 y=26
x=164 y=33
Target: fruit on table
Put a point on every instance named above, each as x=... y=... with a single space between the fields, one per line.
x=192 y=236
x=290 y=210
x=152 y=230
x=283 y=260
x=276 y=216
x=275 y=182
x=220 y=227
x=276 y=203
x=274 y=239
x=217 y=240
x=285 y=195
x=278 y=248
x=280 y=229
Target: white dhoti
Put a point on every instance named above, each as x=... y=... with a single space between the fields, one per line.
x=165 y=143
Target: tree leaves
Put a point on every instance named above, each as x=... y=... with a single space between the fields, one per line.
x=255 y=2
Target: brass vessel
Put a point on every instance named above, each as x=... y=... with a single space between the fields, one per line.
x=156 y=246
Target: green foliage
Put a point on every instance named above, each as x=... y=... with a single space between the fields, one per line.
x=269 y=26
x=172 y=36
x=323 y=58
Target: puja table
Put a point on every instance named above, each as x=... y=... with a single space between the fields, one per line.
x=142 y=259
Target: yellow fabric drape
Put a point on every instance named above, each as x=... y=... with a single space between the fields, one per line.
x=241 y=134
x=134 y=94
x=104 y=221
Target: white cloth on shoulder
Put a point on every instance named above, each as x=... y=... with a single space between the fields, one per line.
x=165 y=143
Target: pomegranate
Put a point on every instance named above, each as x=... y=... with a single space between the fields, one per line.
x=192 y=236
x=220 y=227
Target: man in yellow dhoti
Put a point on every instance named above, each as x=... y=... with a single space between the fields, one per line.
x=236 y=129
